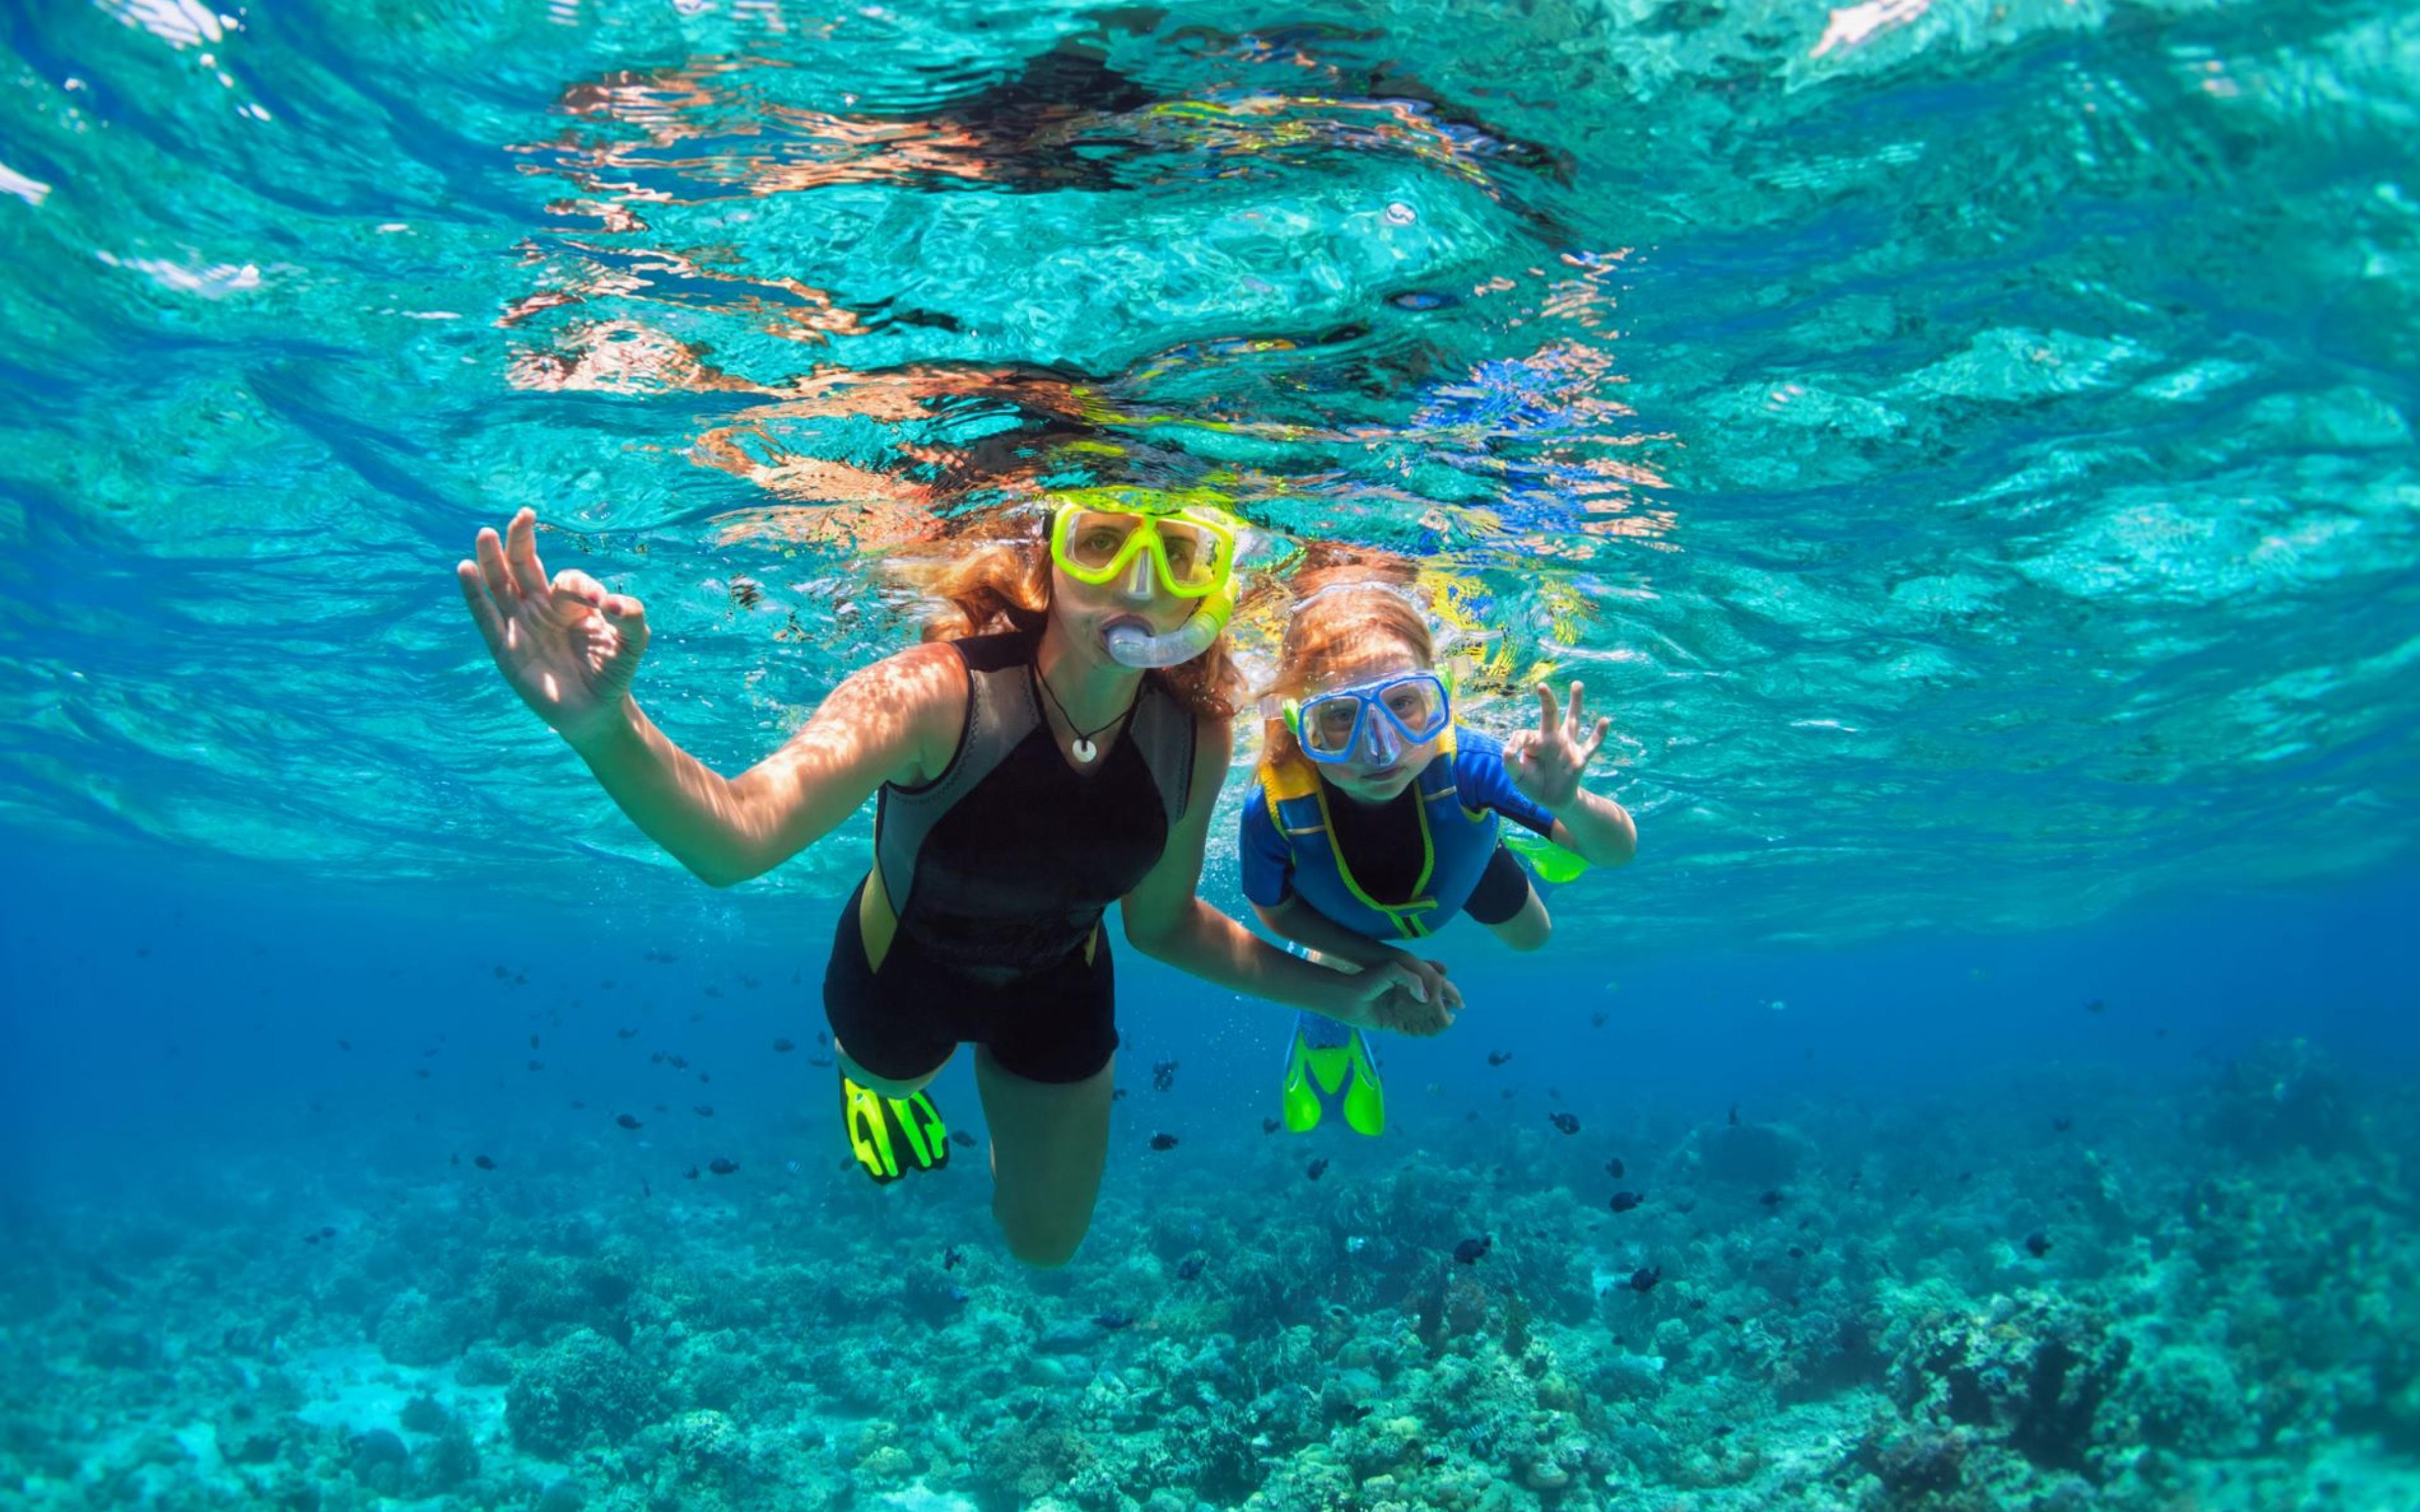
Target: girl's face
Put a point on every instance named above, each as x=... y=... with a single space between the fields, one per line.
x=1384 y=764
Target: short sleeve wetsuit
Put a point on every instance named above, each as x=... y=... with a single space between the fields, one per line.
x=999 y=870
x=1401 y=868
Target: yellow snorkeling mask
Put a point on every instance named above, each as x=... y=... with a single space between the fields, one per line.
x=1099 y=535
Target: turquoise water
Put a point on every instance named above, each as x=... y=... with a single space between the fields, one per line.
x=1967 y=448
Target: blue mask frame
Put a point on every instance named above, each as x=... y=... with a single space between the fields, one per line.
x=1366 y=697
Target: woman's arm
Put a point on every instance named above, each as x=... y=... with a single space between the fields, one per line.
x=883 y=723
x=1166 y=918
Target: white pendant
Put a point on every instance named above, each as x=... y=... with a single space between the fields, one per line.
x=1084 y=749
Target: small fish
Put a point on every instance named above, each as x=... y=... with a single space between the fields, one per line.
x=661 y=1108
x=691 y=1173
x=627 y=1121
x=2062 y=1123
x=1163 y=1075
x=421 y=1072
x=1118 y=1095
x=657 y=1058
x=1596 y=1020
x=1643 y=1280
x=2096 y=1006
x=1471 y=1251
x=577 y=1103
x=1797 y=1253
x=960 y=1295
x=1268 y=1126
x=721 y=1166
x=1772 y=1199
x=533 y=1042
x=626 y=1034
x=819 y=1060
x=1163 y=1141
x=1191 y=1267
x=1613 y=1167
x=1113 y=1320
x=484 y=1163
x=962 y=1139
x=537 y=1065
x=950 y=1259
x=1734 y=1115
x=2037 y=1245
x=454 y=1160
x=344 y=1044
x=327 y=1233
x=677 y=1062
x=1568 y=1122
x=1316 y=1168
x=704 y=1110
x=310 y=1239
x=1498 y=1058
x=783 y=1048
x=1624 y=1202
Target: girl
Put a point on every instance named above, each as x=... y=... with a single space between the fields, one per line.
x=1377 y=815
x=1032 y=769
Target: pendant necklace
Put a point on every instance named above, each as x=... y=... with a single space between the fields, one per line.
x=1081 y=748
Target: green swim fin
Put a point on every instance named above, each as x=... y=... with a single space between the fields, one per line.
x=893 y=1136
x=1329 y=1063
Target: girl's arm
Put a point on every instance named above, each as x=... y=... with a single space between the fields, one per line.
x=883 y=723
x=1166 y=918
x=1597 y=829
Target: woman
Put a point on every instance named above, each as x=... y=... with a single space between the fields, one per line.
x=1378 y=815
x=1032 y=772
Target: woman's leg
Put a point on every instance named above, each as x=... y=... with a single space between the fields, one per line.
x=1049 y=1142
x=887 y=1085
x=1528 y=929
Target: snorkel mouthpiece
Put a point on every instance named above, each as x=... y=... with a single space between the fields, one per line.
x=1130 y=646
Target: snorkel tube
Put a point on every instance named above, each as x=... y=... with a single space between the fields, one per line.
x=1130 y=646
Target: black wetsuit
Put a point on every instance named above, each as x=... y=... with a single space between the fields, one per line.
x=999 y=870
x=1381 y=842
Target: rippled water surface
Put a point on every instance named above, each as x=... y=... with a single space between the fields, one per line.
x=1966 y=446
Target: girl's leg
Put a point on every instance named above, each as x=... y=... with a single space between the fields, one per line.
x=1049 y=1142
x=1528 y=929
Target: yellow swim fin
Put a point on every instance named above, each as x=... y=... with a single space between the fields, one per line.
x=1329 y=1063
x=893 y=1136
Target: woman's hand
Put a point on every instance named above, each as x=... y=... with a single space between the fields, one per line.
x=1546 y=763
x=1392 y=997
x=567 y=647
x=1428 y=978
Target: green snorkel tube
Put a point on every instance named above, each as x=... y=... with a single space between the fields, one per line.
x=1131 y=647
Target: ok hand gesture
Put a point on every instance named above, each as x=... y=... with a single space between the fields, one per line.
x=567 y=647
x=1546 y=763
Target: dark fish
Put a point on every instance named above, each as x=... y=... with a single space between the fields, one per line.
x=2096 y=1006
x=579 y=1104
x=1797 y=1253
x=691 y=1173
x=1643 y=1280
x=1163 y=1075
x=626 y=1034
x=533 y=1042
x=1268 y=1126
x=627 y=1121
x=1498 y=1058
x=421 y=1072
x=950 y=1258
x=1316 y=1168
x=656 y=1058
x=702 y=1110
x=962 y=1139
x=1114 y=1319
x=644 y=1190
x=502 y=972
x=960 y=1295
x=714 y=992
x=1771 y=1199
x=2062 y=1123
x=344 y=1044
x=1470 y=1251
x=483 y=1163
x=1613 y=1167
x=1118 y=1095
x=310 y=1239
x=327 y=1233
x=1420 y=300
x=1568 y=1122
x=721 y=1166
x=703 y=1078
x=677 y=1062
x=819 y=1060
x=783 y=1048
x=823 y=1037
x=1163 y=1141
x=2037 y=1245
x=661 y=1108
x=537 y=1065
x=1624 y=1202
x=1190 y=1266
x=454 y=1160
x=1734 y=1115
x=1596 y=1020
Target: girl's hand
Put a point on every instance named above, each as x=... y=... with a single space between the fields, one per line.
x=1546 y=763
x=567 y=647
x=1429 y=975
x=1392 y=997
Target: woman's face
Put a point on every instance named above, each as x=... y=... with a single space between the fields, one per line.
x=1087 y=612
x=1384 y=764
